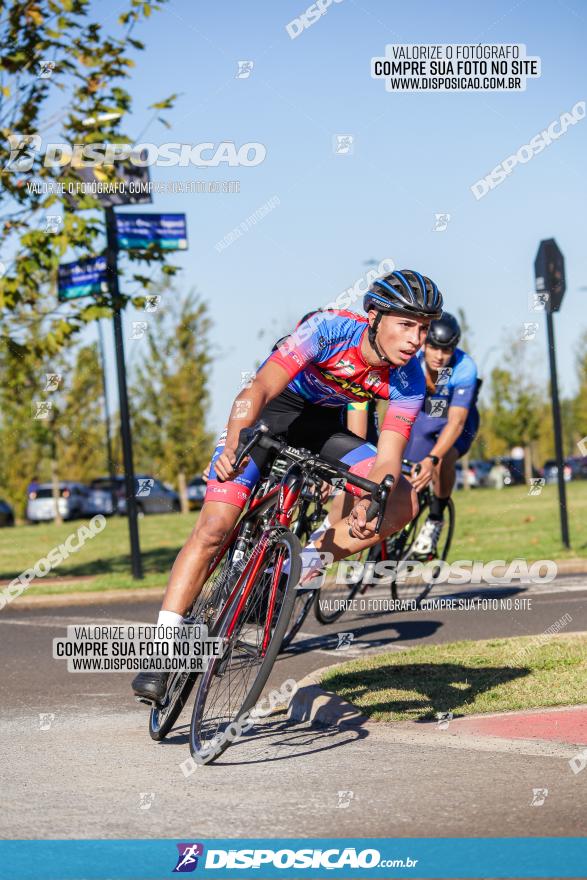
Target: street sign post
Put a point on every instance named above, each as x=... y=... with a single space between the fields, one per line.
x=549 y=271
x=127 y=184
x=162 y=231
x=125 y=430
x=85 y=277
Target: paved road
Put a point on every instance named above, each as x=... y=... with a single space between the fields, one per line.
x=95 y=772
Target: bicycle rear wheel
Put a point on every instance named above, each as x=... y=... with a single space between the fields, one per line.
x=334 y=598
x=232 y=683
x=164 y=716
x=400 y=549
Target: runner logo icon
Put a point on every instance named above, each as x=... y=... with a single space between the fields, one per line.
x=187 y=860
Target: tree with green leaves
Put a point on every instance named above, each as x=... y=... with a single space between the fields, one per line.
x=61 y=76
x=170 y=392
x=517 y=402
x=51 y=422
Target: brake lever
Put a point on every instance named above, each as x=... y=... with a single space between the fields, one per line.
x=259 y=432
x=384 y=490
x=379 y=503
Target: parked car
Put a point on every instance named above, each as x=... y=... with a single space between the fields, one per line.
x=482 y=469
x=550 y=471
x=196 y=491
x=515 y=467
x=6 y=514
x=578 y=466
x=100 y=500
x=72 y=502
x=471 y=476
x=151 y=494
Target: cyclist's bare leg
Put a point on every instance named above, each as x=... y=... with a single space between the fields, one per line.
x=215 y=522
x=445 y=474
x=341 y=506
x=402 y=507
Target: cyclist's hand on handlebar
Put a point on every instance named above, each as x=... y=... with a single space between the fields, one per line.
x=325 y=490
x=422 y=474
x=224 y=465
x=358 y=525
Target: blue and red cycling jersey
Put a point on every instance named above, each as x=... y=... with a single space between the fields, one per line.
x=324 y=360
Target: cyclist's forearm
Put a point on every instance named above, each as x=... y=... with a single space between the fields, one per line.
x=447 y=437
x=382 y=467
x=246 y=409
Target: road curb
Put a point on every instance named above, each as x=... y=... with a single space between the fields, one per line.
x=86 y=597
x=312 y=703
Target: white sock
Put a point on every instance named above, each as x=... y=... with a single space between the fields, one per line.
x=169 y=618
x=326 y=524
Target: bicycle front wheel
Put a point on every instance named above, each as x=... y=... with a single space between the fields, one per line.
x=252 y=632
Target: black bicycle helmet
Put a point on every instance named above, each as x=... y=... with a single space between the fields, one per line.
x=445 y=332
x=406 y=292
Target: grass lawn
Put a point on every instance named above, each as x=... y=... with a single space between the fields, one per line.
x=106 y=558
x=466 y=678
x=504 y=524
x=490 y=525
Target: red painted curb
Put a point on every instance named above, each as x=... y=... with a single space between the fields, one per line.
x=560 y=725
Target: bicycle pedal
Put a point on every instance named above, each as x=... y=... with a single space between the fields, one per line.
x=146 y=701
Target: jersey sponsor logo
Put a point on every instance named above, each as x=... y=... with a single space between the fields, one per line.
x=294 y=356
x=355 y=389
x=403 y=379
x=346 y=367
x=373 y=379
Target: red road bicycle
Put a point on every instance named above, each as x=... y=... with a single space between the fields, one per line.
x=248 y=597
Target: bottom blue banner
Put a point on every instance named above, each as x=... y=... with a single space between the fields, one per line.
x=304 y=858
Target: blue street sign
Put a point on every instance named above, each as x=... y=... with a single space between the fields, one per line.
x=163 y=231
x=82 y=278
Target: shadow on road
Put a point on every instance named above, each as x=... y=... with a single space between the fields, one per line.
x=278 y=739
x=401 y=630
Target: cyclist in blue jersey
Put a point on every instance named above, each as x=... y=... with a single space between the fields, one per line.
x=301 y=392
x=447 y=424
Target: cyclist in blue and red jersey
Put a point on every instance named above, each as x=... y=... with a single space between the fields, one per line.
x=447 y=424
x=301 y=392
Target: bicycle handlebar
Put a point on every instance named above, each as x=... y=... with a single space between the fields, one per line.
x=260 y=436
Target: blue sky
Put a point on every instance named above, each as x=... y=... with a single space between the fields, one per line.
x=415 y=154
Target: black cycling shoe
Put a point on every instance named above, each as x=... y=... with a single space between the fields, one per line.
x=150 y=685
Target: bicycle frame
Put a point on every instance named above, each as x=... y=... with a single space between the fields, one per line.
x=288 y=491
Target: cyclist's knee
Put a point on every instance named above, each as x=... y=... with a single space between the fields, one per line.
x=212 y=528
